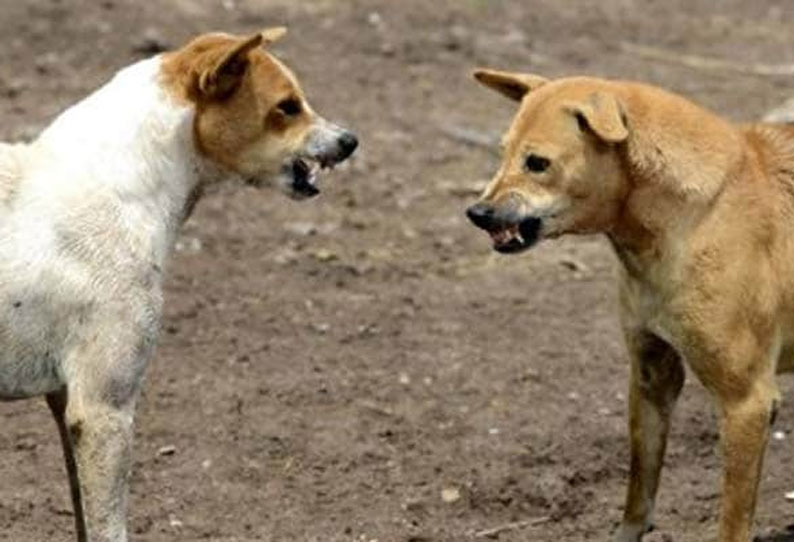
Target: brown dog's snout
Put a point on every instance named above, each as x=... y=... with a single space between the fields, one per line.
x=511 y=231
x=482 y=215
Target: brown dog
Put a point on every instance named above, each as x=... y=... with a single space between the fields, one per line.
x=701 y=215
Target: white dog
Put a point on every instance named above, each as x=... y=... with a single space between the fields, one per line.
x=88 y=216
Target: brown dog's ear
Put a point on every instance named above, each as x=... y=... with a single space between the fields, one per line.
x=603 y=115
x=513 y=85
x=224 y=75
x=272 y=35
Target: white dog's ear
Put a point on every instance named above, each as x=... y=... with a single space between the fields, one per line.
x=603 y=115
x=223 y=76
x=513 y=85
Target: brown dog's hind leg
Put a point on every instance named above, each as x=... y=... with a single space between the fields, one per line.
x=657 y=377
x=738 y=367
x=744 y=431
x=57 y=403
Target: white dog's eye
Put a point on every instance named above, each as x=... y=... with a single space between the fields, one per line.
x=290 y=107
x=536 y=164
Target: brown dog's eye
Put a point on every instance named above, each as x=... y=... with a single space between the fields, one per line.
x=537 y=164
x=290 y=107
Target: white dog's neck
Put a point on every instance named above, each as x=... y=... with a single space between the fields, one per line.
x=132 y=138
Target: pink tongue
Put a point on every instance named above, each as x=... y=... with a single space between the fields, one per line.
x=501 y=236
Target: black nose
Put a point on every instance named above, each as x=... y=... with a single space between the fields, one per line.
x=348 y=142
x=481 y=215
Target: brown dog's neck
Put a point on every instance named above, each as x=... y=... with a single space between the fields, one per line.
x=677 y=161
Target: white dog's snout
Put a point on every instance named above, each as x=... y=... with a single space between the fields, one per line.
x=324 y=137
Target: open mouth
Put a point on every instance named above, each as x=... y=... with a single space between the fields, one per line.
x=304 y=173
x=517 y=237
x=304 y=178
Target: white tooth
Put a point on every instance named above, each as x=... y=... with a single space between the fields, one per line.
x=519 y=237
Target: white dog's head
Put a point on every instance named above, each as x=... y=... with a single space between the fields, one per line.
x=252 y=117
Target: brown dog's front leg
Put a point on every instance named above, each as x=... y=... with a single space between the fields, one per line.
x=744 y=432
x=657 y=377
x=57 y=403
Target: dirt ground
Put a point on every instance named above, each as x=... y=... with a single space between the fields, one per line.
x=329 y=369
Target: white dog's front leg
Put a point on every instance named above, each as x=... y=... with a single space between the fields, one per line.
x=102 y=438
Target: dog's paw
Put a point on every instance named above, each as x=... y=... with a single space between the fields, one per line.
x=632 y=533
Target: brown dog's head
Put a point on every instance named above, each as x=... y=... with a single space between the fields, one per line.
x=561 y=170
x=252 y=117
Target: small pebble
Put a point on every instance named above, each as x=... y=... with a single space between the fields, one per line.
x=790 y=496
x=321 y=328
x=450 y=494
x=573 y=264
x=190 y=245
x=374 y=19
x=166 y=450
x=779 y=435
x=303 y=229
x=325 y=255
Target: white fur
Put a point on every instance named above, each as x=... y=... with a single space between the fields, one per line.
x=88 y=217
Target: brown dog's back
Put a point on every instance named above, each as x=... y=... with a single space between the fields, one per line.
x=774 y=144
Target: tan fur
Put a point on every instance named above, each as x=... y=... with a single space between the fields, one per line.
x=236 y=86
x=701 y=215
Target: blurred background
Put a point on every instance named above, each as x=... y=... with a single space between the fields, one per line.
x=362 y=367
